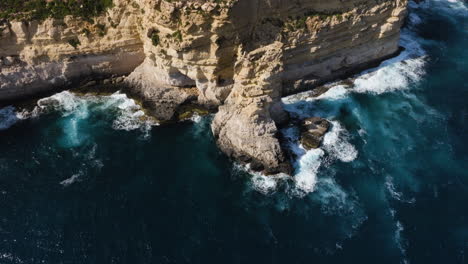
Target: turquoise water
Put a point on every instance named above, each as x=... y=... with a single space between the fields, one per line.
x=89 y=179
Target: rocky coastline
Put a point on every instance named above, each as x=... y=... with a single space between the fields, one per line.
x=236 y=58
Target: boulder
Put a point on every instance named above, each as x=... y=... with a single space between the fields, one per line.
x=313 y=131
x=161 y=99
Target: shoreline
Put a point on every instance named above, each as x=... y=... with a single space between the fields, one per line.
x=108 y=84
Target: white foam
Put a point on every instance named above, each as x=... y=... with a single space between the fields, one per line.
x=308 y=166
x=72 y=137
x=336 y=144
x=398 y=237
x=201 y=126
x=334 y=93
x=262 y=183
x=331 y=196
x=336 y=201
x=291 y=135
x=130 y=115
x=391 y=188
x=64 y=101
x=10 y=258
x=24 y=114
x=123 y=102
x=196 y=118
x=396 y=73
x=392 y=75
x=77 y=108
x=308 y=163
x=74 y=178
x=129 y=120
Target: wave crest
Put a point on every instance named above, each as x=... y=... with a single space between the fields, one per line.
x=129 y=114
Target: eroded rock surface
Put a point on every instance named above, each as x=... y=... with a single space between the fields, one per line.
x=238 y=55
x=313 y=131
x=245 y=126
x=57 y=52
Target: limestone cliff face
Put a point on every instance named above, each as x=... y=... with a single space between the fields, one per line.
x=39 y=56
x=245 y=125
x=241 y=55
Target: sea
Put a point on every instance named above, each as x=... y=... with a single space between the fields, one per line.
x=87 y=178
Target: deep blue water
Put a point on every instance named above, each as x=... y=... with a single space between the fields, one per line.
x=86 y=179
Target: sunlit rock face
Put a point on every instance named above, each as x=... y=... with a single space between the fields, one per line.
x=238 y=55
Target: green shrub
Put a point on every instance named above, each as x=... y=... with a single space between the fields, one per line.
x=74 y=42
x=153 y=34
x=177 y=35
x=101 y=30
x=40 y=9
x=155 y=39
x=86 y=32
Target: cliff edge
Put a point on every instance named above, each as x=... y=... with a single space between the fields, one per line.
x=237 y=56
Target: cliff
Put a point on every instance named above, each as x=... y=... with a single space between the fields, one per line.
x=240 y=56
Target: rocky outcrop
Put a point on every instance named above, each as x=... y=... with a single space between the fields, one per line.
x=313 y=131
x=245 y=126
x=162 y=99
x=290 y=47
x=238 y=55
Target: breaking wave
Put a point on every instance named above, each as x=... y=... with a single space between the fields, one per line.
x=392 y=75
x=335 y=147
x=307 y=169
x=75 y=108
x=336 y=144
x=396 y=73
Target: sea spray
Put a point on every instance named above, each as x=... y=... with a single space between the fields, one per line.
x=307 y=169
x=392 y=75
x=129 y=115
x=336 y=144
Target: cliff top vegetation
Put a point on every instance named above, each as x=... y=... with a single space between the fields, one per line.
x=42 y=9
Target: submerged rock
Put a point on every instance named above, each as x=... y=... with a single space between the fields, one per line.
x=186 y=112
x=314 y=129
